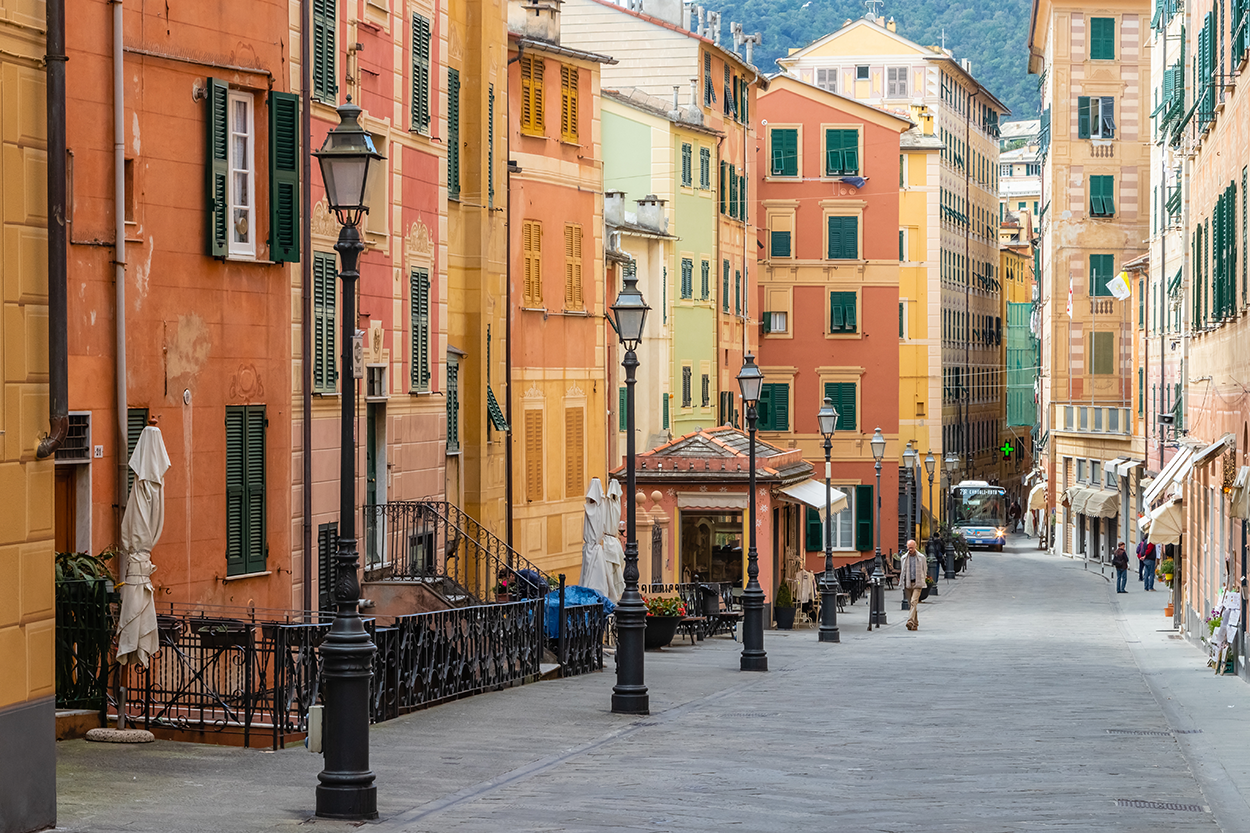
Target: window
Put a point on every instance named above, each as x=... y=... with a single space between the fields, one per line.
x=1033 y=169
x=1102 y=38
x=419 y=310
x=420 y=74
x=843 y=396
x=573 y=267
x=734 y=194
x=728 y=411
x=842 y=312
x=687 y=165
x=843 y=238
x=841 y=152
x=1101 y=196
x=242 y=211
x=785 y=151
x=706 y=280
x=841 y=525
x=707 y=390
x=686 y=396
x=1102 y=348
x=325 y=322
x=574 y=452
x=896 y=82
x=1095 y=117
x=775 y=322
x=324 y=81
x=534 y=454
x=730 y=106
x=1004 y=169
x=284 y=178
x=532 y=95
x=664 y=397
x=327 y=545
x=1101 y=272
x=709 y=93
x=453 y=403
x=687 y=278
x=724 y=289
x=453 y=134
x=705 y=169
x=774 y=407
x=861 y=73
x=863 y=518
x=779 y=244
x=245 y=489
x=902 y=320
x=532 y=256
x=737 y=292
x=902 y=245
x=827 y=79
x=568 y=103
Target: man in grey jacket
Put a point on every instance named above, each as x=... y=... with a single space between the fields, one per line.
x=913 y=569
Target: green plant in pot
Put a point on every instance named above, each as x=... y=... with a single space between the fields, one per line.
x=1166 y=568
x=783 y=608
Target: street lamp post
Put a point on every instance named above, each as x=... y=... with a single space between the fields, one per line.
x=877 y=616
x=827 y=417
x=909 y=463
x=930 y=465
x=346 y=789
x=750 y=382
x=952 y=463
x=629 y=696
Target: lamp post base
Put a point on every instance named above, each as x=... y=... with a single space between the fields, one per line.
x=878 y=612
x=831 y=635
x=828 y=616
x=354 y=802
x=631 y=702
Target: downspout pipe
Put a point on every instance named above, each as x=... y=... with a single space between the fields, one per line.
x=58 y=337
x=305 y=85
x=119 y=258
x=511 y=168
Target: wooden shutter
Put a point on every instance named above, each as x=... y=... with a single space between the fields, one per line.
x=706 y=280
x=325 y=330
x=764 y=408
x=841 y=152
x=705 y=168
x=781 y=407
x=785 y=156
x=722 y=194
x=732 y=173
x=574 y=456
x=245 y=489
x=842 y=395
x=687 y=164
x=1082 y=117
x=737 y=292
x=419 y=309
x=324 y=79
x=742 y=197
x=453 y=133
x=568 y=103
x=327 y=545
x=136 y=421
x=532 y=250
x=284 y=170
x=843 y=238
x=217 y=168
x=532 y=95
x=863 y=518
x=815 y=531
x=573 y=267
x=1102 y=38
x=686 y=373
x=779 y=244
x=724 y=292
x=709 y=94
x=533 y=455
x=420 y=74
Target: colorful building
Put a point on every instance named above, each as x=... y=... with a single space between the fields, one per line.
x=1095 y=177
x=829 y=296
x=27 y=607
x=1020 y=352
x=558 y=332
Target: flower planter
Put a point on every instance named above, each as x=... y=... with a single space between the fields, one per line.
x=1167 y=611
x=1168 y=578
x=784 y=617
x=924 y=594
x=660 y=631
x=503 y=598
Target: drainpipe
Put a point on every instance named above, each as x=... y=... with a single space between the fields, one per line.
x=507 y=332
x=305 y=85
x=119 y=259
x=58 y=339
x=967 y=396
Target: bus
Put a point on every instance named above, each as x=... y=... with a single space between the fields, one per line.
x=979 y=513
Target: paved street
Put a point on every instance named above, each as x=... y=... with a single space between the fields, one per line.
x=1011 y=709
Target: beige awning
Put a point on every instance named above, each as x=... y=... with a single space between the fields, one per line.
x=1169 y=475
x=1037 y=496
x=812 y=492
x=1101 y=503
x=1239 y=500
x=1209 y=454
x=1166 y=523
x=1111 y=467
x=1073 y=496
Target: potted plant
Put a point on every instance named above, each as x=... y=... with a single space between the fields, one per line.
x=783 y=608
x=1165 y=570
x=503 y=593
x=664 y=614
x=929 y=582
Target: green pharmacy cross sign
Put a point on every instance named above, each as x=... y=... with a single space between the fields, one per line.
x=1006 y=450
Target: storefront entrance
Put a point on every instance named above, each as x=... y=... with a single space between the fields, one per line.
x=711 y=547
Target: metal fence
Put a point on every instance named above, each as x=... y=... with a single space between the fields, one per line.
x=579 y=640
x=84 y=635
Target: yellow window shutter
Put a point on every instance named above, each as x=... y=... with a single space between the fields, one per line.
x=568 y=103
x=536 y=95
x=574 y=459
x=527 y=85
x=578 y=301
x=533 y=455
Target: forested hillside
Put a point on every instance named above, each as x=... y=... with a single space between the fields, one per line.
x=994 y=37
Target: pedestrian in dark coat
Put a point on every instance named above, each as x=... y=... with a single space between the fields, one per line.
x=1120 y=562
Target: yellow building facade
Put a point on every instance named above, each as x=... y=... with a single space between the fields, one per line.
x=27 y=600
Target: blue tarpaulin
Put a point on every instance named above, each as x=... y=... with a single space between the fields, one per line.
x=573 y=595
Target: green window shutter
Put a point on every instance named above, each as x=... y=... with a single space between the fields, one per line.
x=327 y=544
x=764 y=408
x=732 y=173
x=737 y=292
x=785 y=151
x=815 y=531
x=664 y=399
x=1100 y=274
x=325 y=320
x=742 y=198
x=774 y=407
x=687 y=164
x=705 y=168
x=1102 y=196
x=842 y=394
x=843 y=238
x=490 y=146
x=664 y=294
x=620 y=409
x=255 y=551
x=1141 y=389
x=419 y=309
x=723 y=195
x=324 y=80
x=842 y=152
x=284 y=168
x=245 y=489
x=1082 y=117
x=453 y=134
x=863 y=518
x=724 y=290
x=420 y=74
x=687 y=278
x=1102 y=38
x=216 y=168
x=706 y=280
x=780 y=244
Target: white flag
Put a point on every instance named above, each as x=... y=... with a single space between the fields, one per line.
x=1118 y=286
x=1069 y=296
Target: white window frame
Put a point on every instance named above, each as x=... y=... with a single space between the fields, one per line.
x=1096 y=121
x=1004 y=169
x=830 y=78
x=867 y=72
x=892 y=85
x=778 y=322
x=248 y=168
x=842 y=522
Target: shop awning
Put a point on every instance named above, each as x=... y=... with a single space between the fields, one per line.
x=1076 y=499
x=1102 y=503
x=1126 y=468
x=1239 y=500
x=812 y=492
x=1037 y=497
x=1211 y=452
x=1169 y=475
x=1112 y=467
x=1165 y=523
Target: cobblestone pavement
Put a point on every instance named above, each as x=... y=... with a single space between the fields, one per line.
x=1033 y=698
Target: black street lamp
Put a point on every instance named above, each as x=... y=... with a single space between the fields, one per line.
x=827 y=417
x=909 y=463
x=347 y=790
x=629 y=696
x=877 y=615
x=750 y=382
x=930 y=465
x=952 y=463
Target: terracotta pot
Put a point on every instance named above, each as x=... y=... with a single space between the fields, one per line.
x=1167 y=611
x=503 y=598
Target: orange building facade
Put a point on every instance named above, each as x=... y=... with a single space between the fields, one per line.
x=829 y=300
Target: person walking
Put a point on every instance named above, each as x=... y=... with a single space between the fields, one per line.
x=1120 y=561
x=1143 y=547
x=1148 y=567
x=1014 y=515
x=913 y=570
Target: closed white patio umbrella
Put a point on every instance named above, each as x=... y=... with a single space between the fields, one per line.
x=594 y=566
x=613 y=552
x=141 y=529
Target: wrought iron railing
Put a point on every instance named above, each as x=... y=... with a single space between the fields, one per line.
x=84 y=635
x=435 y=542
x=579 y=639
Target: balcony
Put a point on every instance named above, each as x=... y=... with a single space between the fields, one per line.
x=1102 y=306
x=1084 y=418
